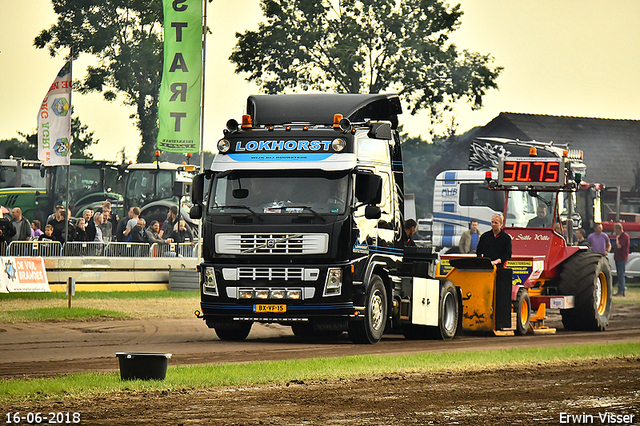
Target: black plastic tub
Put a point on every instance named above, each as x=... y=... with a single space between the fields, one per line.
x=143 y=366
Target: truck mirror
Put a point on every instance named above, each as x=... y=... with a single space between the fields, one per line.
x=195 y=212
x=372 y=212
x=181 y=189
x=197 y=190
x=380 y=131
x=368 y=188
x=240 y=193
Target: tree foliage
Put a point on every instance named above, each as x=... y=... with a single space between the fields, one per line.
x=27 y=147
x=417 y=156
x=126 y=38
x=365 y=46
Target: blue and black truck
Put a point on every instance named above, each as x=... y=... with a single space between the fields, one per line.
x=303 y=226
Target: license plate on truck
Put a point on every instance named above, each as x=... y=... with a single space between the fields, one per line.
x=269 y=308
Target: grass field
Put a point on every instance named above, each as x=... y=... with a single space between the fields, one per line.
x=281 y=372
x=29 y=307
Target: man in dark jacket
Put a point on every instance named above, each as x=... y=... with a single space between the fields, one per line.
x=495 y=244
x=21 y=224
x=169 y=224
x=138 y=234
x=7 y=231
x=182 y=234
x=59 y=224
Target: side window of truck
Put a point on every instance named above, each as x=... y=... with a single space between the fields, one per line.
x=477 y=194
x=385 y=204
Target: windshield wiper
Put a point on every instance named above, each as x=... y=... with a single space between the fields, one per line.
x=315 y=214
x=239 y=206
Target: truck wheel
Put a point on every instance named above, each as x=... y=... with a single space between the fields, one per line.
x=447 y=317
x=587 y=276
x=447 y=313
x=235 y=331
x=522 y=308
x=370 y=329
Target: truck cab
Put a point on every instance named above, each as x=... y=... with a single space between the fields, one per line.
x=302 y=216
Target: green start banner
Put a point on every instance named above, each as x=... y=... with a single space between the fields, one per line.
x=180 y=92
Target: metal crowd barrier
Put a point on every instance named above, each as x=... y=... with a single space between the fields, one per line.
x=175 y=250
x=83 y=248
x=34 y=248
x=127 y=250
x=94 y=248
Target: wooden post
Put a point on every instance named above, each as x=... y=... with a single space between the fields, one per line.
x=71 y=289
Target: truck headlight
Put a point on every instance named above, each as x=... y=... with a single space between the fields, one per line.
x=224 y=146
x=338 y=144
x=333 y=284
x=209 y=285
x=294 y=294
x=278 y=294
x=261 y=294
x=246 y=294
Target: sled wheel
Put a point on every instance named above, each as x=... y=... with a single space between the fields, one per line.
x=522 y=308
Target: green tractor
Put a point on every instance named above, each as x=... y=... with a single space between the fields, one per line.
x=20 y=181
x=36 y=189
x=155 y=187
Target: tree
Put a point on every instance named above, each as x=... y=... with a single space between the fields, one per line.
x=126 y=38
x=82 y=139
x=370 y=46
x=27 y=148
x=19 y=149
x=417 y=156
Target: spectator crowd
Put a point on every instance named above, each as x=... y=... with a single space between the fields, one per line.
x=102 y=226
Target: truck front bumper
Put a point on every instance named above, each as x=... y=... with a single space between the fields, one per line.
x=279 y=312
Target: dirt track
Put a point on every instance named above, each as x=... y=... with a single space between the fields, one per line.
x=507 y=396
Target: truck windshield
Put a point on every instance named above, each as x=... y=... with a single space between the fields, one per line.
x=530 y=209
x=280 y=192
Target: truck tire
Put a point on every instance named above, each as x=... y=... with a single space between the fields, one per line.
x=369 y=330
x=522 y=308
x=235 y=331
x=587 y=276
x=448 y=312
x=448 y=317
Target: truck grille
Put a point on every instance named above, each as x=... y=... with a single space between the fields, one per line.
x=270 y=274
x=251 y=244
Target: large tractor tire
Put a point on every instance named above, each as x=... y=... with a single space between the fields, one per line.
x=587 y=276
x=370 y=329
x=448 y=317
x=522 y=308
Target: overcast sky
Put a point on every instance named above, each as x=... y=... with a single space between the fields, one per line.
x=561 y=57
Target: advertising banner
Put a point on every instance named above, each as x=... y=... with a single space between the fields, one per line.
x=22 y=274
x=180 y=92
x=54 y=121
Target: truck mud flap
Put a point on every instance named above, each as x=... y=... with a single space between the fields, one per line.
x=503 y=298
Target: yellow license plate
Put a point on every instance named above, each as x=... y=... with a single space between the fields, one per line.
x=269 y=308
